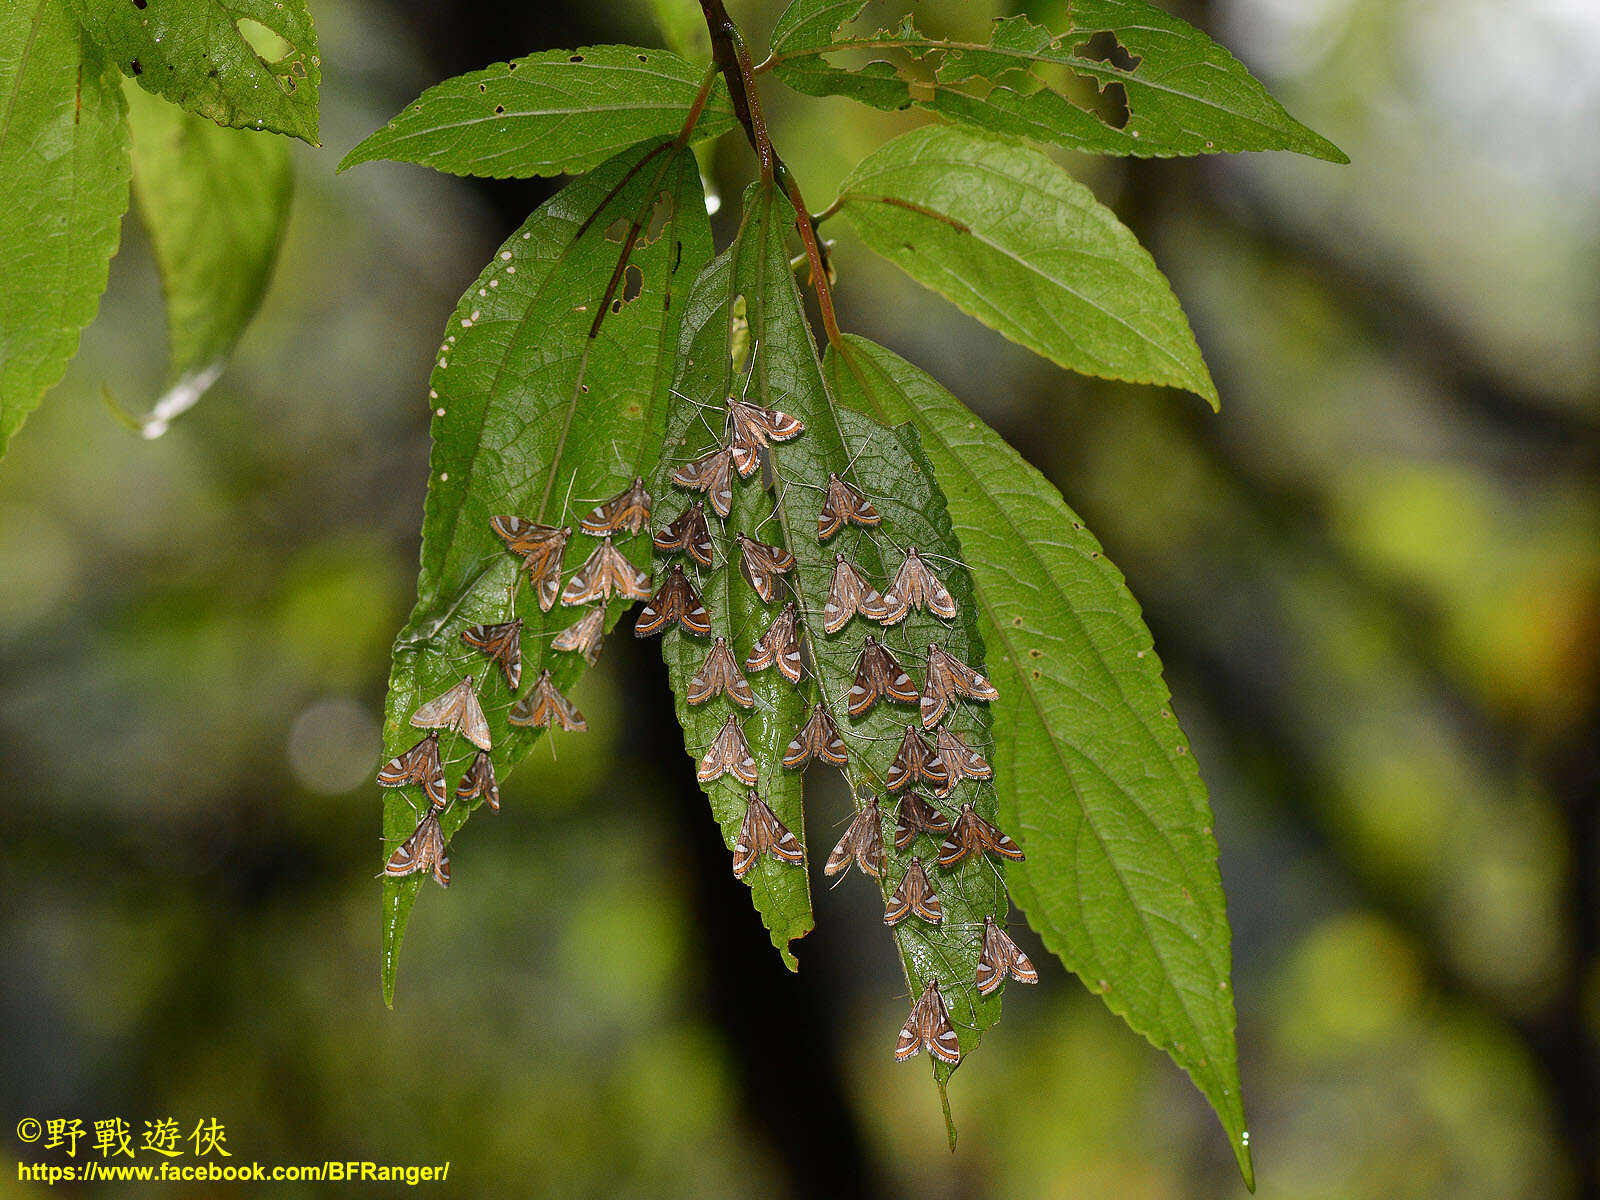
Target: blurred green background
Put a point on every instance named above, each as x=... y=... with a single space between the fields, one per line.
x=1375 y=579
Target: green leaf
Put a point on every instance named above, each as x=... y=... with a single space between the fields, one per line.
x=64 y=159
x=548 y=395
x=196 y=53
x=1011 y=238
x=1095 y=778
x=1184 y=93
x=214 y=201
x=553 y=113
x=748 y=298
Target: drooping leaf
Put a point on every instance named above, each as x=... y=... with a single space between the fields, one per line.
x=64 y=160
x=1095 y=778
x=1011 y=238
x=197 y=54
x=747 y=303
x=1184 y=94
x=548 y=395
x=553 y=113
x=214 y=201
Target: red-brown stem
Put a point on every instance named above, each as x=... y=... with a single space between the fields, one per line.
x=732 y=56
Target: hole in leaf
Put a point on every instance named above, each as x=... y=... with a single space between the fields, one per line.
x=1104 y=47
x=660 y=214
x=499 y=110
x=483 y=87
x=632 y=283
x=1111 y=105
x=617 y=231
x=643 y=58
x=576 y=58
x=140 y=3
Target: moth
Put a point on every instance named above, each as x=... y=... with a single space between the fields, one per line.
x=545 y=706
x=752 y=428
x=719 y=675
x=584 y=635
x=422 y=851
x=606 y=572
x=844 y=505
x=914 y=762
x=762 y=831
x=914 y=895
x=712 y=474
x=502 y=643
x=779 y=646
x=420 y=764
x=916 y=816
x=480 y=781
x=929 y=1029
x=915 y=586
x=1001 y=957
x=628 y=510
x=689 y=533
x=540 y=547
x=878 y=675
x=862 y=843
x=960 y=760
x=818 y=738
x=973 y=835
x=761 y=565
x=729 y=754
x=947 y=678
x=848 y=594
x=456 y=709
x=677 y=603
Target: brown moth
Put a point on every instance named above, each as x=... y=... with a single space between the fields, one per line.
x=1001 y=957
x=914 y=895
x=628 y=510
x=916 y=816
x=762 y=831
x=540 y=547
x=502 y=643
x=420 y=764
x=915 y=762
x=878 y=675
x=914 y=586
x=751 y=428
x=949 y=677
x=973 y=835
x=729 y=754
x=584 y=635
x=929 y=1029
x=848 y=594
x=819 y=738
x=779 y=646
x=456 y=709
x=861 y=843
x=422 y=851
x=677 y=603
x=606 y=572
x=545 y=706
x=718 y=675
x=844 y=505
x=761 y=564
x=712 y=474
x=480 y=781
x=960 y=760
x=688 y=533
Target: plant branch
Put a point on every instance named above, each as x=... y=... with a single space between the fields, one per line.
x=731 y=54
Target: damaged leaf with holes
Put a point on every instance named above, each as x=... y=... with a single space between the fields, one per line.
x=548 y=394
x=746 y=310
x=249 y=64
x=551 y=113
x=1123 y=77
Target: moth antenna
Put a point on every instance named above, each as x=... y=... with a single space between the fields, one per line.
x=850 y=465
x=566 y=505
x=755 y=349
